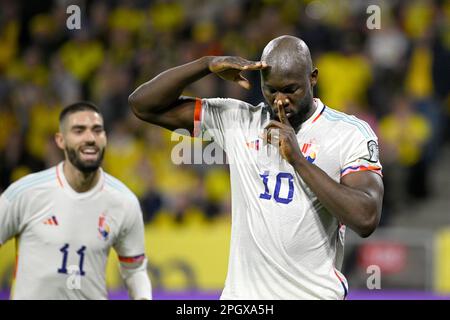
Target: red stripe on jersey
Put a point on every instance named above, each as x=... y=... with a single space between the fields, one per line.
x=306 y=147
x=342 y=283
x=318 y=116
x=132 y=259
x=197 y=117
x=58 y=177
x=375 y=169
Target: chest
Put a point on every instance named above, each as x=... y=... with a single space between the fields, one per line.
x=322 y=150
x=60 y=220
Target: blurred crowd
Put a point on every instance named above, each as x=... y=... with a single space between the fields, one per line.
x=396 y=78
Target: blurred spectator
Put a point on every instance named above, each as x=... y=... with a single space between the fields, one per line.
x=82 y=55
x=40 y=131
x=111 y=87
x=30 y=68
x=404 y=134
x=344 y=75
x=388 y=50
x=16 y=161
x=64 y=86
x=9 y=33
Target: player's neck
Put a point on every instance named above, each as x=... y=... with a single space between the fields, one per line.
x=78 y=180
x=312 y=108
x=297 y=123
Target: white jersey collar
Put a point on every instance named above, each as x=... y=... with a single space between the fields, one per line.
x=316 y=115
x=62 y=181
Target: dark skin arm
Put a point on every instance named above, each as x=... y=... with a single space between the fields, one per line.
x=356 y=201
x=160 y=101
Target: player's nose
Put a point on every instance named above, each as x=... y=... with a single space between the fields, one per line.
x=282 y=100
x=89 y=136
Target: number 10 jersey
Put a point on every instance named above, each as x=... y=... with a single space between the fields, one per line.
x=284 y=242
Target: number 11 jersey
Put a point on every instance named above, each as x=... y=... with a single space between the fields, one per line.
x=64 y=237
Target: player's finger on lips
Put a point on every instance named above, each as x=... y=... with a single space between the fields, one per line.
x=281 y=112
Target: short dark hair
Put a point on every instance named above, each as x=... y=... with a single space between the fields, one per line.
x=76 y=107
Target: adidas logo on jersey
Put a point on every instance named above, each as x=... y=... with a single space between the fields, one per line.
x=51 y=221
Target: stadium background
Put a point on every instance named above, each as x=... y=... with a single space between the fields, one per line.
x=396 y=78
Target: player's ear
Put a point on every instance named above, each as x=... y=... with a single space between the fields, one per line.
x=313 y=77
x=59 y=139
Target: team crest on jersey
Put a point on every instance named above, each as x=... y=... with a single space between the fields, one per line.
x=310 y=151
x=103 y=227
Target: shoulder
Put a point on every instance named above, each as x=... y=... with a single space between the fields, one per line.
x=235 y=111
x=230 y=103
x=31 y=182
x=119 y=189
x=349 y=125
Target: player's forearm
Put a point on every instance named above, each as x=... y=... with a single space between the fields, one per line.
x=161 y=92
x=355 y=208
x=139 y=286
x=136 y=280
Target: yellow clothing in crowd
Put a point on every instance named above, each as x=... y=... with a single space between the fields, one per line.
x=405 y=137
x=81 y=59
x=343 y=79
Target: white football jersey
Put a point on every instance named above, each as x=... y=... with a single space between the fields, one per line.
x=64 y=237
x=284 y=243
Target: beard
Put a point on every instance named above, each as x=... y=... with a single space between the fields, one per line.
x=304 y=108
x=84 y=166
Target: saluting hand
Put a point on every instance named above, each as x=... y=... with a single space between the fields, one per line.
x=230 y=68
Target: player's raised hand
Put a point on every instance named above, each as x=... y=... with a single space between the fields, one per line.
x=230 y=68
x=283 y=132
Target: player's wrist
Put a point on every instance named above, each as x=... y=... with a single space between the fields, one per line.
x=297 y=160
x=207 y=62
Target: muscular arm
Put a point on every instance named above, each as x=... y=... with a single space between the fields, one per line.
x=356 y=201
x=159 y=100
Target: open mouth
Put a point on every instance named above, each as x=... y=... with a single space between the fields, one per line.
x=90 y=152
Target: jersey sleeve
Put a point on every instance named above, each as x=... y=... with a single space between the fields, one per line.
x=9 y=218
x=216 y=118
x=359 y=151
x=130 y=244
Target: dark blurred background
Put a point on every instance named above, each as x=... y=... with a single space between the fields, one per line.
x=396 y=78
